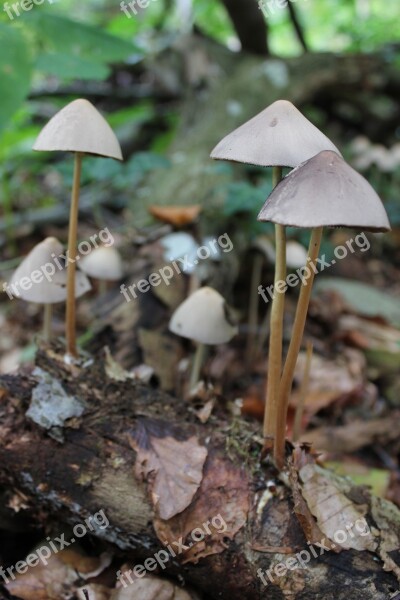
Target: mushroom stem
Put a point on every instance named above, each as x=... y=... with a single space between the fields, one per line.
x=47 y=319
x=253 y=309
x=276 y=330
x=294 y=347
x=72 y=251
x=102 y=286
x=196 y=366
x=303 y=393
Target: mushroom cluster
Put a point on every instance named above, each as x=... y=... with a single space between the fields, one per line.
x=322 y=190
x=35 y=282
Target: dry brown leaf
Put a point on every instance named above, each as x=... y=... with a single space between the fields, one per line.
x=303 y=513
x=179 y=216
x=94 y=592
x=330 y=380
x=51 y=581
x=150 y=588
x=223 y=494
x=350 y=438
x=172 y=468
x=333 y=510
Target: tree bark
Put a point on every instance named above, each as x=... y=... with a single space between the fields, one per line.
x=92 y=468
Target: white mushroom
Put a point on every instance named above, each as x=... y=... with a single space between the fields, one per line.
x=81 y=129
x=202 y=318
x=40 y=279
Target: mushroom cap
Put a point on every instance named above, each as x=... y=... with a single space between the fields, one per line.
x=325 y=191
x=79 y=127
x=180 y=245
x=102 y=263
x=278 y=136
x=44 y=291
x=296 y=254
x=202 y=317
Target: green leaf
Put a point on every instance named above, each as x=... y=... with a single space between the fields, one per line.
x=61 y=35
x=15 y=71
x=69 y=66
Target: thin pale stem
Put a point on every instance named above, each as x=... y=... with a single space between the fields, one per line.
x=253 y=309
x=71 y=267
x=197 y=365
x=294 y=346
x=276 y=330
x=297 y=429
x=47 y=321
x=102 y=286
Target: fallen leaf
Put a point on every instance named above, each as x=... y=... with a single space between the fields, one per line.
x=221 y=506
x=94 y=591
x=363 y=299
x=58 y=578
x=150 y=588
x=330 y=380
x=358 y=434
x=172 y=468
x=179 y=216
x=333 y=510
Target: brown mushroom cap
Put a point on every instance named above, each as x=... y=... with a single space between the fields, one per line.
x=278 y=136
x=325 y=191
x=79 y=127
x=202 y=318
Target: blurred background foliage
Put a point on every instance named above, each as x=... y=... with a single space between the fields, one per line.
x=50 y=53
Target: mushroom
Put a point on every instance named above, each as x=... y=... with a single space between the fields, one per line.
x=81 y=129
x=202 y=318
x=177 y=216
x=42 y=278
x=280 y=136
x=103 y=263
x=322 y=192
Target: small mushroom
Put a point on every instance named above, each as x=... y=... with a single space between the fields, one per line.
x=103 y=263
x=81 y=129
x=279 y=136
x=40 y=279
x=203 y=319
x=323 y=192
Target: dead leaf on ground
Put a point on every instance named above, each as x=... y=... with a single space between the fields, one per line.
x=221 y=505
x=312 y=532
x=178 y=216
x=150 y=588
x=350 y=438
x=94 y=592
x=334 y=511
x=330 y=380
x=172 y=468
x=54 y=580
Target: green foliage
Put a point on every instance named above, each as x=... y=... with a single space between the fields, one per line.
x=15 y=71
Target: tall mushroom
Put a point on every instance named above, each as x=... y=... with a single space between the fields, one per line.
x=322 y=192
x=203 y=319
x=41 y=278
x=81 y=129
x=280 y=136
